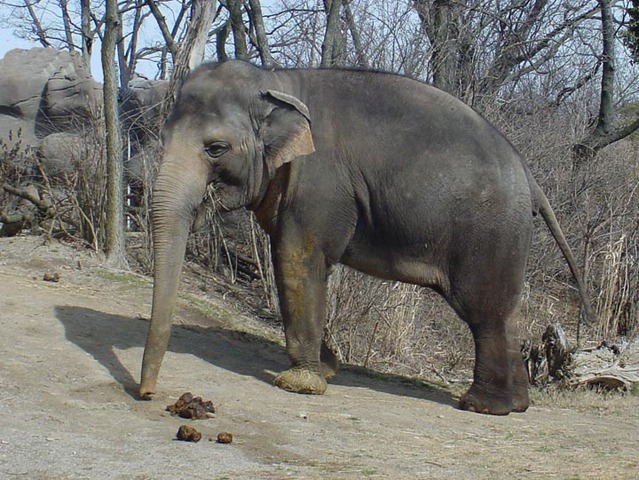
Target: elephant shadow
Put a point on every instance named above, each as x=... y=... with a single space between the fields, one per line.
x=102 y=334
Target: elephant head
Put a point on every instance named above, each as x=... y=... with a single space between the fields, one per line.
x=232 y=128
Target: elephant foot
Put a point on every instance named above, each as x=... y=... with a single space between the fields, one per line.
x=478 y=402
x=298 y=380
x=521 y=402
x=329 y=363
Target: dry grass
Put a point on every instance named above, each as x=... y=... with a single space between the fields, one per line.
x=395 y=327
x=586 y=400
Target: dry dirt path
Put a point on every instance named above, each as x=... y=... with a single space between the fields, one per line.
x=69 y=360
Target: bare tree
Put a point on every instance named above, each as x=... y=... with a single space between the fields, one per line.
x=444 y=23
x=188 y=52
x=479 y=47
x=169 y=35
x=128 y=54
x=115 y=246
x=354 y=29
x=38 y=30
x=66 y=22
x=605 y=131
x=330 y=45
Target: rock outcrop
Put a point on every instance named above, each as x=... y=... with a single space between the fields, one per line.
x=50 y=102
x=45 y=91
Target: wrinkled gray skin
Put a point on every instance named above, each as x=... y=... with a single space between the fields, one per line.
x=375 y=171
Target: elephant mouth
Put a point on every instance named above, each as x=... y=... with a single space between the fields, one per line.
x=213 y=195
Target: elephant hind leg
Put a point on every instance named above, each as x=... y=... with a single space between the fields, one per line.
x=498 y=388
x=521 y=402
x=500 y=383
x=492 y=388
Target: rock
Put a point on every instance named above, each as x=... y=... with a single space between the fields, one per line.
x=141 y=107
x=64 y=153
x=44 y=90
x=51 y=110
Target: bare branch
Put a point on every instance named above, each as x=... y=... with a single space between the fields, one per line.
x=66 y=22
x=37 y=26
x=355 y=35
x=161 y=21
x=44 y=206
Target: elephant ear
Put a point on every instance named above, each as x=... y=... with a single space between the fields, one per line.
x=286 y=131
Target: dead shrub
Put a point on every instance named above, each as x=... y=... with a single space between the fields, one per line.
x=394 y=327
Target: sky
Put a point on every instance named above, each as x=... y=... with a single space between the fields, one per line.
x=8 y=41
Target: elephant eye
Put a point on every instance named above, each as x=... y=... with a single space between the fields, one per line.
x=216 y=149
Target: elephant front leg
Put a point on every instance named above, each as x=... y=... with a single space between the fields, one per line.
x=301 y=277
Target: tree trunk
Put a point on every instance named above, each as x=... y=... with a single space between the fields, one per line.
x=164 y=29
x=446 y=46
x=331 y=37
x=191 y=50
x=115 y=246
x=87 y=36
x=220 y=42
x=606 y=105
x=355 y=35
x=202 y=16
x=66 y=22
x=237 y=26
x=260 y=33
x=441 y=22
x=37 y=26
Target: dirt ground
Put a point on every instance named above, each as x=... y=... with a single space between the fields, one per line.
x=70 y=353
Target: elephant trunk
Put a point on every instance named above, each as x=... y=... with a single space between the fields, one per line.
x=175 y=197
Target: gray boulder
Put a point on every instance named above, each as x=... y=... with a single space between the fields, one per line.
x=141 y=112
x=49 y=102
x=44 y=91
x=141 y=108
x=62 y=154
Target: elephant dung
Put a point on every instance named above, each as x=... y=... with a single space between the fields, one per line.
x=188 y=434
x=194 y=408
x=224 y=437
x=51 y=277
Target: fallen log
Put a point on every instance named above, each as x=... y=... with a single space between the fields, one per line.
x=613 y=366
x=608 y=366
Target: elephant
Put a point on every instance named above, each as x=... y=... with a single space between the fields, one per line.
x=376 y=171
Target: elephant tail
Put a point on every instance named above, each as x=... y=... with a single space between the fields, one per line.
x=543 y=207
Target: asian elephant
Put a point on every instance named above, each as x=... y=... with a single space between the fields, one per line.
x=384 y=174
